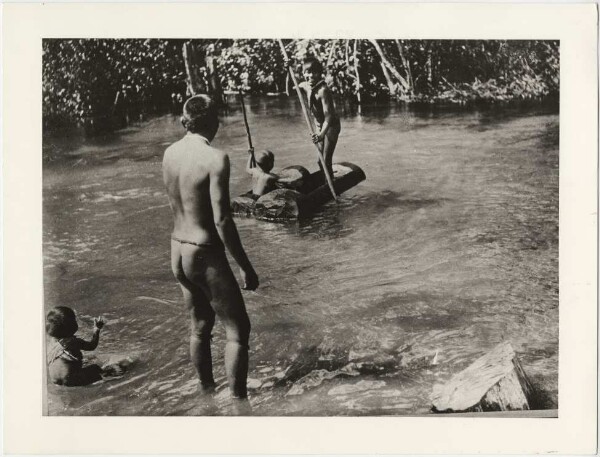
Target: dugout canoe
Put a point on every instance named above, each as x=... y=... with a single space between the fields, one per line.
x=299 y=193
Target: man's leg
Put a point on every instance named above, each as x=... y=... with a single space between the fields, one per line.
x=236 y=354
x=228 y=303
x=202 y=319
x=188 y=268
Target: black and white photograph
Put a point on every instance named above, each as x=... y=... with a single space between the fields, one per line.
x=391 y=207
x=357 y=229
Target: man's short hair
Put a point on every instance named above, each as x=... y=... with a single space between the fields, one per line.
x=200 y=114
x=314 y=64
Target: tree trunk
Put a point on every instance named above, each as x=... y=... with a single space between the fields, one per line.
x=429 y=68
x=406 y=65
x=192 y=61
x=388 y=80
x=357 y=79
x=347 y=52
x=330 y=58
x=214 y=90
x=196 y=57
x=494 y=382
x=385 y=62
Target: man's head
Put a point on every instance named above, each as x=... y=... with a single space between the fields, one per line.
x=265 y=160
x=200 y=116
x=61 y=322
x=312 y=70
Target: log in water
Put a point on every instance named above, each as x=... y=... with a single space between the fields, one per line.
x=494 y=382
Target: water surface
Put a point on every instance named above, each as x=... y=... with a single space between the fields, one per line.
x=449 y=247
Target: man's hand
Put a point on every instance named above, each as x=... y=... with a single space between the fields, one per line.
x=250 y=151
x=316 y=138
x=98 y=323
x=250 y=279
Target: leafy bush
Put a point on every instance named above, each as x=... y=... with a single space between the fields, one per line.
x=102 y=79
x=81 y=78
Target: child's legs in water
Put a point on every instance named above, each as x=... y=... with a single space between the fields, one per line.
x=208 y=270
x=329 y=144
x=82 y=376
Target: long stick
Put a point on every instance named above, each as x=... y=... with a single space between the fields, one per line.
x=253 y=160
x=310 y=126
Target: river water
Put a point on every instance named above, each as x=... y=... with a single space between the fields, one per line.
x=448 y=248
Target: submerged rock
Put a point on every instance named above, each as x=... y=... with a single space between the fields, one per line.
x=360 y=386
x=316 y=378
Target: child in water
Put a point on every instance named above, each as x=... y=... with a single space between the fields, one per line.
x=65 y=360
x=263 y=181
x=320 y=103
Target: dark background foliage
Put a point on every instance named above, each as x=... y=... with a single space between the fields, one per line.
x=110 y=82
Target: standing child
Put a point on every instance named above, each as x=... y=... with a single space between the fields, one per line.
x=65 y=360
x=263 y=181
x=320 y=102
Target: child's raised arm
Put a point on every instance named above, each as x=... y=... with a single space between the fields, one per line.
x=249 y=165
x=93 y=343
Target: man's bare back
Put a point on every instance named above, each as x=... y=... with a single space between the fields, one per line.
x=196 y=176
x=187 y=166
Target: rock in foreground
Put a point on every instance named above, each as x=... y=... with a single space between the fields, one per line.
x=494 y=382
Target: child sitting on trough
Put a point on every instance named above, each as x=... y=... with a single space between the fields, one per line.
x=263 y=181
x=65 y=359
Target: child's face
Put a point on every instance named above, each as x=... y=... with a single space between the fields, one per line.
x=310 y=74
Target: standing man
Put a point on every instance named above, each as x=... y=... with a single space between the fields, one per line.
x=196 y=176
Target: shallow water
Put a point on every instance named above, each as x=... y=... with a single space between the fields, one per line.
x=449 y=247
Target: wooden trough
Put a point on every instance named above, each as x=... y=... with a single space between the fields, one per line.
x=299 y=193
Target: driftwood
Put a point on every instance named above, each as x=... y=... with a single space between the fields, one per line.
x=494 y=382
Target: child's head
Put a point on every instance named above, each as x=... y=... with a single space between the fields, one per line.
x=312 y=69
x=61 y=322
x=265 y=160
x=200 y=116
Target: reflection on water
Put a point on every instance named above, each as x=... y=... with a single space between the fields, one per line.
x=449 y=247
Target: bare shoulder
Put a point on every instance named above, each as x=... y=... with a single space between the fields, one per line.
x=304 y=86
x=219 y=160
x=171 y=150
x=323 y=91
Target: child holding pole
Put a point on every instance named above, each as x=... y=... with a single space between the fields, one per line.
x=322 y=109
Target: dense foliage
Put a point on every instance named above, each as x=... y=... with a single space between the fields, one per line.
x=88 y=80
x=85 y=80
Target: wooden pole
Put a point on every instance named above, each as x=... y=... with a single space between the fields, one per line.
x=310 y=126
x=253 y=160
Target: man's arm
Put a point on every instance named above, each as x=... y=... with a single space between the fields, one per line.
x=219 y=197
